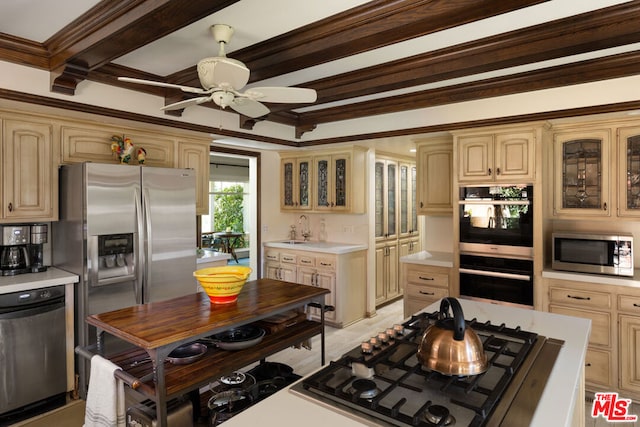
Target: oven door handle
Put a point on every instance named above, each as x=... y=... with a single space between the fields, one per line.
x=523 y=277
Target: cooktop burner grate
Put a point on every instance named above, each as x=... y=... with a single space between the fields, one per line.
x=404 y=390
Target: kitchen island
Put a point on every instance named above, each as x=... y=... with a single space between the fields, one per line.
x=561 y=404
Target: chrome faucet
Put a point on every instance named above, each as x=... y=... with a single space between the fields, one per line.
x=306 y=232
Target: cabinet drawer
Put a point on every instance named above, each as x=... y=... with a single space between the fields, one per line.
x=600 y=323
x=629 y=304
x=598 y=367
x=580 y=298
x=307 y=261
x=416 y=291
x=272 y=256
x=288 y=258
x=428 y=278
x=324 y=262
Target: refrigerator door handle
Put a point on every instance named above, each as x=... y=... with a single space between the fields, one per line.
x=92 y=258
x=148 y=239
x=139 y=284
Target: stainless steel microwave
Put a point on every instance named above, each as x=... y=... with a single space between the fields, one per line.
x=593 y=253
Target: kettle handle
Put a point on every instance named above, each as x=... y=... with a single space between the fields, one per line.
x=459 y=324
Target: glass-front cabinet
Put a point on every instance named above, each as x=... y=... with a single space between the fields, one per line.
x=582 y=173
x=629 y=171
x=408 y=213
x=296 y=181
x=386 y=198
x=332 y=174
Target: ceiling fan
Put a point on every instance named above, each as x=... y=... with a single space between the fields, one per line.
x=222 y=78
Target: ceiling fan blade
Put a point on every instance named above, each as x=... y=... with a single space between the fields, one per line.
x=186 y=103
x=289 y=95
x=249 y=107
x=187 y=89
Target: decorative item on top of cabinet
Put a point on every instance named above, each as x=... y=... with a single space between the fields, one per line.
x=424 y=285
x=581 y=172
x=92 y=143
x=27 y=145
x=435 y=176
x=629 y=171
x=496 y=155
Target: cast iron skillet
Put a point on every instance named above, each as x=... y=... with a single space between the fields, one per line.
x=236 y=338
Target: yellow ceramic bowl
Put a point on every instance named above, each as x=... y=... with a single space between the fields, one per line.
x=222 y=284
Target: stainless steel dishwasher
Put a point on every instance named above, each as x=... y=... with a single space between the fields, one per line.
x=32 y=351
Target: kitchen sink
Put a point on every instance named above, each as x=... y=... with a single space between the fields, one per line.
x=295 y=242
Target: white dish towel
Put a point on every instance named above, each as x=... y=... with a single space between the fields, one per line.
x=105 y=397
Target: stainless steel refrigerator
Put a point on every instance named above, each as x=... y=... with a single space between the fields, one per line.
x=129 y=232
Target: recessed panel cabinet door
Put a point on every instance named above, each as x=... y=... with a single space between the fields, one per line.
x=30 y=187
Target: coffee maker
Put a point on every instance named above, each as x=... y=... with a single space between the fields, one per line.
x=14 y=249
x=36 y=247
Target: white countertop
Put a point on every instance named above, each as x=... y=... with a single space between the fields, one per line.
x=594 y=278
x=555 y=408
x=24 y=282
x=439 y=259
x=212 y=256
x=325 y=247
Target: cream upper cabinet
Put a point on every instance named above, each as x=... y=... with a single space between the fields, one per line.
x=407 y=199
x=195 y=155
x=628 y=176
x=496 y=157
x=323 y=181
x=29 y=176
x=386 y=198
x=296 y=183
x=332 y=179
x=581 y=172
x=434 y=192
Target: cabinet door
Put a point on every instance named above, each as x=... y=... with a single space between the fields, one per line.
x=327 y=280
x=29 y=182
x=475 y=158
x=629 y=358
x=581 y=169
x=628 y=178
x=381 y=269
x=406 y=200
x=393 y=284
x=333 y=182
x=515 y=157
x=295 y=184
x=195 y=155
x=435 y=173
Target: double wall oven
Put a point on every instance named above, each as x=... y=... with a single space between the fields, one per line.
x=496 y=244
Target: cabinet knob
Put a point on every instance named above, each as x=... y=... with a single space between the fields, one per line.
x=604 y=206
x=489 y=172
x=421 y=205
x=497 y=171
x=10 y=207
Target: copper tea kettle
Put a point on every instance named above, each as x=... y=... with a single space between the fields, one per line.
x=450 y=347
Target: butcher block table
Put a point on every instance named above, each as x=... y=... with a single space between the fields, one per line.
x=157 y=328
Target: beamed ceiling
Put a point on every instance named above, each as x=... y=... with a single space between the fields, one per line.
x=364 y=59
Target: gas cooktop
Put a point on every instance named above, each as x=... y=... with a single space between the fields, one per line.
x=385 y=384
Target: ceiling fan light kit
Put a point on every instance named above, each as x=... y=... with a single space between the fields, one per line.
x=222 y=78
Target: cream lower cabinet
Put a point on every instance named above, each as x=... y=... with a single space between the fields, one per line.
x=629 y=335
x=344 y=275
x=408 y=246
x=424 y=285
x=387 y=280
x=29 y=177
x=593 y=302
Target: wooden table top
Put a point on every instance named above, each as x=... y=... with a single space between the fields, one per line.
x=167 y=322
